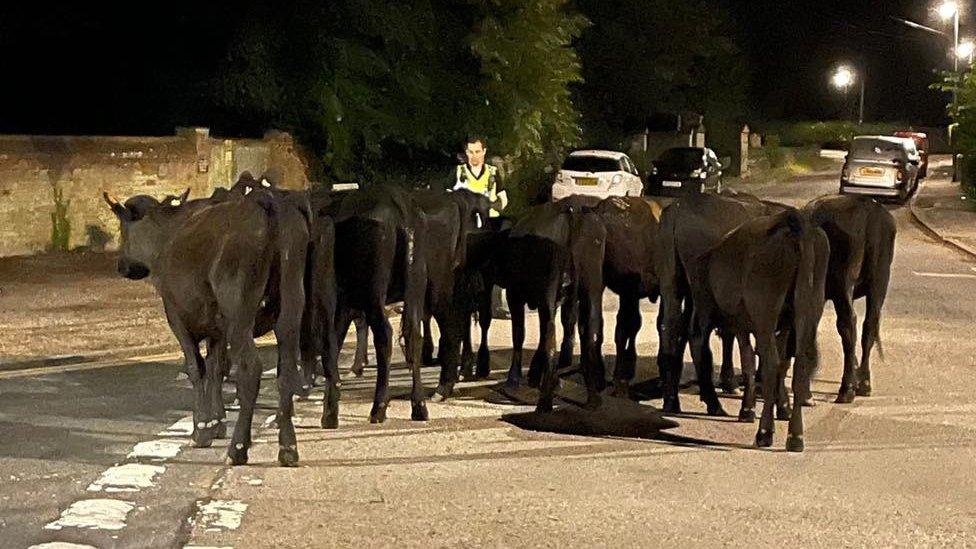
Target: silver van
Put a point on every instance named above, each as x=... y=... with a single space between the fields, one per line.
x=883 y=166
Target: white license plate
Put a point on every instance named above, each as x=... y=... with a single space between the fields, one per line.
x=671 y=183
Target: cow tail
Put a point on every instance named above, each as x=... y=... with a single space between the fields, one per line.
x=808 y=297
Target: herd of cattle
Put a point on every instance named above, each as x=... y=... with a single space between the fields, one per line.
x=256 y=258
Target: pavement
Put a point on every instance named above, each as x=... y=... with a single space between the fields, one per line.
x=894 y=469
x=944 y=209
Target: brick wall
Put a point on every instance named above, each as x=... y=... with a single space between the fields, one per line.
x=32 y=167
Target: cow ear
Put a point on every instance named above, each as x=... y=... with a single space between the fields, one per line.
x=185 y=195
x=117 y=208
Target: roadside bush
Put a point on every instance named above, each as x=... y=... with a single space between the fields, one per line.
x=775 y=154
x=825 y=134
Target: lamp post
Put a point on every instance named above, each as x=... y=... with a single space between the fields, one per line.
x=842 y=78
x=950 y=10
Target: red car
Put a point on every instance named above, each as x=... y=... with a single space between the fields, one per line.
x=922 y=144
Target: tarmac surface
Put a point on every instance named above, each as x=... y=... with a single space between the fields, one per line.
x=96 y=454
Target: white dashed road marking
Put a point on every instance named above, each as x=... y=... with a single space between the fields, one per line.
x=60 y=545
x=220 y=515
x=943 y=275
x=156 y=450
x=130 y=477
x=95 y=514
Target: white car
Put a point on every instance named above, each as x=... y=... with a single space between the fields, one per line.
x=597 y=173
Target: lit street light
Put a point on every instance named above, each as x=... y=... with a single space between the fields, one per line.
x=965 y=50
x=842 y=78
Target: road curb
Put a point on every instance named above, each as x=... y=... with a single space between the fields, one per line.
x=929 y=227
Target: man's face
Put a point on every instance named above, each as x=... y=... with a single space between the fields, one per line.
x=476 y=153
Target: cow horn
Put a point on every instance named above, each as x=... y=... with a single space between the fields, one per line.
x=112 y=201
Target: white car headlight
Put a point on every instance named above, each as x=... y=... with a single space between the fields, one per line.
x=616 y=179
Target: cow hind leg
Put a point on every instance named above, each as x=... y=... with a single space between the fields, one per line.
x=549 y=378
x=847 y=327
x=382 y=341
x=702 y=356
x=216 y=357
x=625 y=339
x=483 y=369
x=517 y=309
x=362 y=345
x=769 y=364
x=483 y=363
x=870 y=335
x=726 y=374
x=568 y=315
x=244 y=357
x=747 y=357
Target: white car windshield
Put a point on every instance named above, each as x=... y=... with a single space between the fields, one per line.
x=591 y=164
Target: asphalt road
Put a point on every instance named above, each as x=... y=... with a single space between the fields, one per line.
x=893 y=469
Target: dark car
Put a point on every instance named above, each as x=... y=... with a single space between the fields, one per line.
x=881 y=166
x=683 y=170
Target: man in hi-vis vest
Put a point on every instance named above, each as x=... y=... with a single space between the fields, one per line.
x=477 y=176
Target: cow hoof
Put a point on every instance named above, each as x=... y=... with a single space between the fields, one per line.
x=864 y=388
x=330 y=421
x=845 y=397
x=220 y=431
x=288 y=456
x=729 y=386
x=418 y=412
x=808 y=402
x=378 y=414
x=783 y=413
x=764 y=439
x=544 y=407
x=715 y=409
x=671 y=406
x=794 y=443
x=482 y=373
x=466 y=375
x=437 y=397
x=747 y=416
x=237 y=456
x=202 y=438
x=357 y=369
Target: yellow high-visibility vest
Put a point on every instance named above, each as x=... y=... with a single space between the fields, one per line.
x=484 y=183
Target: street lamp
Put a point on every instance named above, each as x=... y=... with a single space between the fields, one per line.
x=842 y=78
x=950 y=10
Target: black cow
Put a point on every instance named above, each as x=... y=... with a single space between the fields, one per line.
x=689 y=227
x=211 y=266
x=554 y=256
x=380 y=258
x=862 y=246
x=450 y=218
x=768 y=274
x=628 y=270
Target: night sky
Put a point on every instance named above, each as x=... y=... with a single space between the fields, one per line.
x=87 y=68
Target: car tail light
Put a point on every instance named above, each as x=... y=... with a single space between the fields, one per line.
x=900 y=176
x=846 y=172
